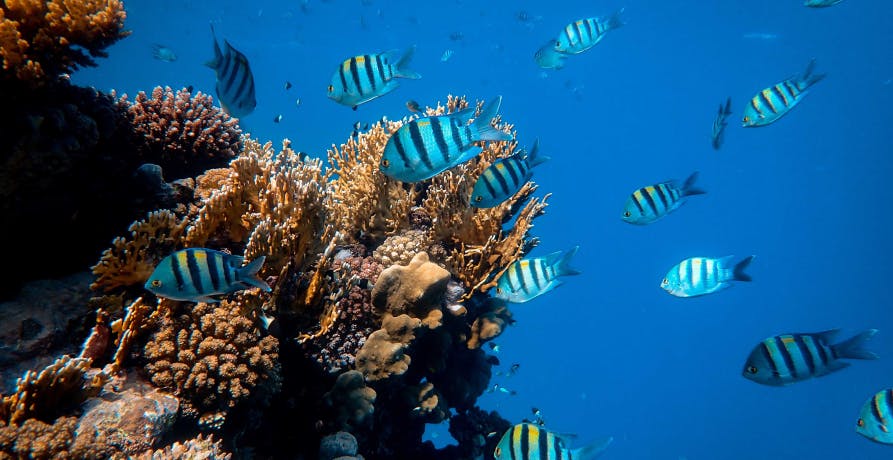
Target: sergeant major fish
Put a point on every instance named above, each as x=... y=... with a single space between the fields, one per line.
x=526 y=441
x=720 y=123
x=362 y=78
x=650 y=203
x=775 y=101
x=425 y=147
x=527 y=279
x=702 y=275
x=789 y=358
x=547 y=58
x=195 y=274
x=820 y=3
x=583 y=34
x=235 y=82
x=876 y=417
x=505 y=177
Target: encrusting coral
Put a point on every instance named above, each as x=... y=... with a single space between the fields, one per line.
x=351 y=401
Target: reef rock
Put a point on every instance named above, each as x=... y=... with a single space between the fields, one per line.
x=416 y=289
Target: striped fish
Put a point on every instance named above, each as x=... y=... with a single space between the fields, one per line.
x=773 y=102
x=425 y=147
x=583 y=34
x=876 y=418
x=820 y=3
x=502 y=179
x=652 y=202
x=720 y=123
x=527 y=279
x=790 y=358
x=362 y=78
x=235 y=83
x=194 y=274
x=547 y=58
x=702 y=275
x=526 y=441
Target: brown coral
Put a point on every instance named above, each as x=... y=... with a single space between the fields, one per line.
x=382 y=355
x=490 y=323
x=351 y=400
x=42 y=39
x=416 y=289
x=199 y=448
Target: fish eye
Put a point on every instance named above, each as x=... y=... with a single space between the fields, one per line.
x=860 y=423
x=627 y=214
x=752 y=369
x=665 y=282
x=478 y=199
x=385 y=163
x=499 y=290
x=331 y=88
x=746 y=118
x=156 y=283
x=497 y=452
x=557 y=44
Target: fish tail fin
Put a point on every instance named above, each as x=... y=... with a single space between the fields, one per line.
x=853 y=347
x=533 y=158
x=738 y=272
x=218 y=55
x=728 y=109
x=688 y=189
x=560 y=262
x=615 y=21
x=248 y=274
x=592 y=451
x=400 y=69
x=808 y=79
x=485 y=131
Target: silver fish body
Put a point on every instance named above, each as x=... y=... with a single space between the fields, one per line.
x=527 y=279
x=527 y=441
x=360 y=79
x=583 y=34
x=235 y=82
x=548 y=58
x=195 y=274
x=820 y=3
x=698 y=276
x=652 y=202
x=774 y=102
x=502 y=179
x=876 y=417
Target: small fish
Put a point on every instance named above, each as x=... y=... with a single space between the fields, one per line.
x=526 y=441
x=502 y=179
x=702 y=275
x=790 y=358
x=820 y=3
x=760 y=36
x=277 y=118
x=413 y=106
x=583 y=34
x=189 y=89
x=447 y=54
x=235 y=82
x=195 y=274
x=775 y=101
x=648 y=204
x=287 y=85
x=298 y=102
x=538 y=416
x=425 y=147
x=497 y=388
x=526 y=279
x=457 y=36
x=876 y=418
x=547 y=58
x=720 y=123
x=493 y=347
x=362 y=78
x=163 y=53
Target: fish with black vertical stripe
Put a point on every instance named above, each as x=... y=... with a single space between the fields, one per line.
x=720 y=123
x=195 y=274
x=235 y=82
x=362 y=78
x=697 y=276
x=789 y=358
x=526 y=279
x=876 y=418
x=583 y=34
x=772 y=103
x=502 y=179
x=526 y=441
x=427 y=146
x=820 y=3
x=650 y=203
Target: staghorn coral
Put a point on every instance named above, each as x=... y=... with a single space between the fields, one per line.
x=351 y=401
x=42 y=39
x=212 y=357
x=181 y=132
x=382 y=355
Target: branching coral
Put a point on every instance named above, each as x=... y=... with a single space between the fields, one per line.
x=180 y=132
x=42 y=39
x=198 y=448
x=213 y=357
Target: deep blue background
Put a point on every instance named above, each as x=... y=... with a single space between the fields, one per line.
x=610 y=353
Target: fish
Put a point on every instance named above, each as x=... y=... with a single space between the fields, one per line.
x=425 y=147
x=789 y=358
x=527 y=279
x=547 y=58
x=163 y=53
x=497 y=388
x=360 y=79
x=775 y=101
x=277 y=118
x=493 y=347
x=876 y=418
x=650 y=203
x=583 y=34
x=720 y=123
x=502 y=179
x=447 y=54
x=760 y=36
x=235 y=82
x=288 y=85
x=413 y=106
x=526 y=441
x=820 y=3
x=697 y=276
x=195 y=274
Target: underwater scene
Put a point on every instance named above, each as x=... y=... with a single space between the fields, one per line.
x=369 y=229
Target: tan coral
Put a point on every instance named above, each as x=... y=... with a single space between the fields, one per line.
x=416 y=289
x=426 y=403
x=37 y=440
x=382 y=355
x=200 y=448
x=490 y=323
x=351 y=400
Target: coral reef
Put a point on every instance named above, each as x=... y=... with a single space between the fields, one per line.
x=339 y=446
x=198 y=448
x=351 y=400
x=416 y=289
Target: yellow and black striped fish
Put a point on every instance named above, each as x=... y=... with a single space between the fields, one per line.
x=527 y=279
x=790 y=358
x=583 y=34
x=526 y=441
x=235 y=82
x=876 y=417
x=194 y=274
x=502 y=179
x=362 y=78
x=775 y=101
x=652 y=202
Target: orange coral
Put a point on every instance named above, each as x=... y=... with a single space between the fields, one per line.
x=42 y=39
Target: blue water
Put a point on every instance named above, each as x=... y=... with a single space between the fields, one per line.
x=610 y=353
